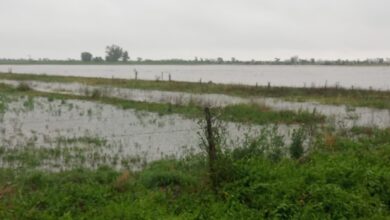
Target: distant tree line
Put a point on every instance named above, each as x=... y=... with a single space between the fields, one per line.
x=116 y=54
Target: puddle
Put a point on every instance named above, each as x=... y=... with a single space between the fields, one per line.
x=340 y=114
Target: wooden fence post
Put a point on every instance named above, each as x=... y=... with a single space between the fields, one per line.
x=135 y=74
x=211 y=149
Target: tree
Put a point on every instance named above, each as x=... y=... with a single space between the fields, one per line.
x=125 y=56
x=294 y=60
x=219 y=60
x=113 y=53
x=86 y=57
x=98 y=59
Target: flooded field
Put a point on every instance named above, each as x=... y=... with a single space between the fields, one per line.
x=59 y=135
x=344 y=115
x=63 y=134
x=297 y=76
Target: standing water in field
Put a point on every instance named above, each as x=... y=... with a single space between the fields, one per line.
x=376 y=77
x=339 y=114
x=75 y=133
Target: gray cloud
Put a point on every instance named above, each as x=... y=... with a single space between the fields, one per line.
x=259 y=29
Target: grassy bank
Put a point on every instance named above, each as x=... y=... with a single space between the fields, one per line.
x=339 y=96
x=340 y=178
x=237 y=113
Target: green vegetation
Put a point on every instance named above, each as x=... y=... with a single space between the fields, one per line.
x=250 y=114
x=341 y=177
x=86 y=57
x=338 y=96
x=66 y=154
x=237 y=113
x=114 y=53
x=3 y=105
x=23 y=87
x=296 y=148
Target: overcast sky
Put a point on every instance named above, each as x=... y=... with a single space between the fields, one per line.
x=245 y=29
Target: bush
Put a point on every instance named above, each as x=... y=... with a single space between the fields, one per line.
x=96 y=94
x=296 y=147
x=23 y=87
x=165 y=174
x=268 y=143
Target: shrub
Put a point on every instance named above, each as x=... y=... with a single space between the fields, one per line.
x=96 y=93
x=296 y=147
x=164 y=174
x=23 y=87
x=269 y=143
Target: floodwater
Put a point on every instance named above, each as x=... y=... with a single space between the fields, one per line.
x=365 y=77
x=340 y=115
x=57 y=133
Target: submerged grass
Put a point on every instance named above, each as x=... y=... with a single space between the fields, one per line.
x=250 y=113
x=330 y=95
x=349 y=180
x=237 y=113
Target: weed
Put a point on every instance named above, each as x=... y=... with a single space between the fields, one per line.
x=23 y=87
x=96 y=94
x=296 y=146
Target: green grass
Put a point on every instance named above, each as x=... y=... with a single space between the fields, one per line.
x=348 y=178
x=3 y=105
x=249 y=113
x=238 y=113
x=339 y=96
